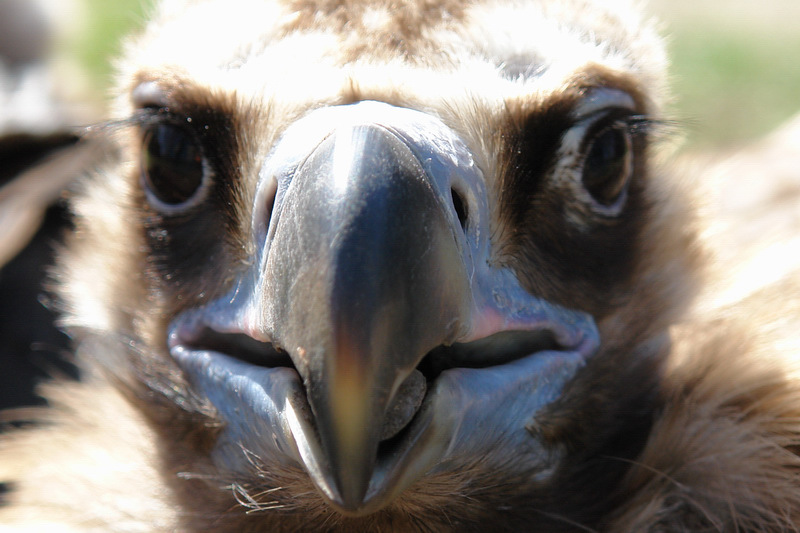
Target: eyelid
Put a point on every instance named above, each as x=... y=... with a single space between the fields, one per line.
x=149 y=95
x=601 y=100
x=601 y=122
x=151 y=116
x=583 y=131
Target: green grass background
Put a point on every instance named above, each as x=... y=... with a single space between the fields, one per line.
x=106 y=24
x=732 y=86
x=734 y=79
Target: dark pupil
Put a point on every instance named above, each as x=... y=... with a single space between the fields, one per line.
x=172 y=164
x=604 y=170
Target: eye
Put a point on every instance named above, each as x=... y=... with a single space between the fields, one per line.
x=607 y=165
x=173 y=172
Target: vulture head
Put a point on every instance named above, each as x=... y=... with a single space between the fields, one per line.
x=385 y=265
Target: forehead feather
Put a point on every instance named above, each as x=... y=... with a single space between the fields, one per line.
x=310 y=49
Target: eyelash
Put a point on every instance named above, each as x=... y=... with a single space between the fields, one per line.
x=636 y=125
x=641 y=125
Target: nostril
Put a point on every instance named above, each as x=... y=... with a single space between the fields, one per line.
x=270 y=202
x=265 y=200
x=460 y=207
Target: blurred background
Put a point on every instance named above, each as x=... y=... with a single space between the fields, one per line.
x=735 y=66
x=735 y=77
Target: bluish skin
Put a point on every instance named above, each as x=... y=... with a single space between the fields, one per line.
x=362 y=268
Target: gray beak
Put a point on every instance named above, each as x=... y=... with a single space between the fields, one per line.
x=366 y=277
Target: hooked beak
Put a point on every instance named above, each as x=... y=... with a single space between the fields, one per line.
x=374 y=284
